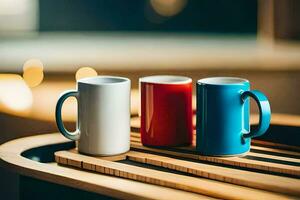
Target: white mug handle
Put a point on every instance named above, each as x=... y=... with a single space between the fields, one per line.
x=60 y=125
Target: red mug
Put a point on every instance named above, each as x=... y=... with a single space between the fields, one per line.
x=166 y=110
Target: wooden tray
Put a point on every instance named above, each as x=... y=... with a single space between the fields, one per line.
x=263 y=172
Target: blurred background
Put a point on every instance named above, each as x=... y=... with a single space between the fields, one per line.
x=45 y=45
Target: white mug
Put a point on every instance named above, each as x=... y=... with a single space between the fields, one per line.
x=103 y=124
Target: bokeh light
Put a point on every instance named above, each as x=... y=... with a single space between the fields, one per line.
x=33 y=72
x=13 y=7
x=85 y=72
x=15 y=95
x=168 y=8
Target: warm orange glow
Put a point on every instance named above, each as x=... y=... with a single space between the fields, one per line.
x=85 y=72
x=15 y=95
x=33 y=72
x=168 y=7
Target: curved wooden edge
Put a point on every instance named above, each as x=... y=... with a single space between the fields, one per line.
x=10 y=154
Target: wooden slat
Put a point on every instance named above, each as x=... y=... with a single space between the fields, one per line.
x=135 y=137
x=251 y=155
x=138 y=146
x=277 y=158
x=273 y=150
x=197 y=185
x=232 y=161
x=240 y=177
x=275 y=145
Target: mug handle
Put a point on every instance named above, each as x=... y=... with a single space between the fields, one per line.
x=264 y=112
x=60 y=125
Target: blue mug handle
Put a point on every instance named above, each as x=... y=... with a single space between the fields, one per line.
x=60 y=125
x=264 y=112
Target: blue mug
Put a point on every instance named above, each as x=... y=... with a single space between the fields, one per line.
x=223 y=112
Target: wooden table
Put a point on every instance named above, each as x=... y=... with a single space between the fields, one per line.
x=21 y=156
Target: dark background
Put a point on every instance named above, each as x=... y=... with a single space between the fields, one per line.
x=208 y=16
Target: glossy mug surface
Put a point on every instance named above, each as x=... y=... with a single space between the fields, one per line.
x=223 y=112
x=103 y=125
x=166 y=110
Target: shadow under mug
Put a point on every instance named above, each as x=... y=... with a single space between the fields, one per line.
x=166 y=110
x=223 y=112
x=103 y=124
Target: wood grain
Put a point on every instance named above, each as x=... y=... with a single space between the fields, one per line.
x=10 y=158
x=235 y=176
x=230 y=161
x=197 y=185
x=258 y=161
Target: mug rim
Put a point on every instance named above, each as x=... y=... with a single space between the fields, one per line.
x=227 y=81
x=165 y=79
x=88 y=80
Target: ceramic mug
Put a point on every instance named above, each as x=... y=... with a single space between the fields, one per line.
x=223 y=112
x=166 y=110
x=103 y=125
